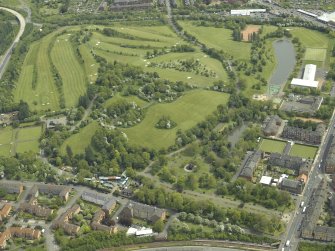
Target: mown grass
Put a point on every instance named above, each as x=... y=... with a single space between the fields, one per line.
x=303 y=151
x=187 y=111
x=272 y=146
x=71 y=71
x=19 y=140
x=310 y=38
x=79 y=141
x=316 y=54
x=44 y=95
x=90 y=65
x=218 y=38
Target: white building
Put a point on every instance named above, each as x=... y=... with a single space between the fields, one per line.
x=308 y=80
x=327 y=17
x=266 y=180
x=246 y=12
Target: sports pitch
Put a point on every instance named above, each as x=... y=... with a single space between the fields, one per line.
x=315 y=54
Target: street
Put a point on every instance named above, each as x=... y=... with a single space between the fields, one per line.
x=315 y=176
x=6 y=56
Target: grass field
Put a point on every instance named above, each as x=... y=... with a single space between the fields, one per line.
x=187 y=111
x=19 y=140
x=315 y=54
x=218 y=38
x=303 y=151
x=272 y=146
x=78 y=142
x=45 y=95
x=90 y=65
x=310 y=38
x=116 y=48
x=71 y=71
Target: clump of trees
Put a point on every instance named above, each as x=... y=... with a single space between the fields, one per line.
x=165 y=122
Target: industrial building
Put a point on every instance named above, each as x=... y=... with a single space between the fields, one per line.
x=308 y=79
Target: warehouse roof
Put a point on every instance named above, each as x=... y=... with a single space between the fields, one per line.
x=304 y=83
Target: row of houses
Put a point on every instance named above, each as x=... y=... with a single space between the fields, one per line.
x=20 y=232
x=64 y=223
x=297 y=164
x=119 y=5
x=142 y=211
x=304 y=135
x=310 y=229
x=330 y=160
x=5 y=210
x=32 y=207
x=250 y=163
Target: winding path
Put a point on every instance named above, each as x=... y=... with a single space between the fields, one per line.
x=5 y=59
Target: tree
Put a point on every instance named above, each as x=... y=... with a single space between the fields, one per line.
x=158 y=226
x=23 y=110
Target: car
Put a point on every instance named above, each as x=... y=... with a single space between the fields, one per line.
x=287 y=243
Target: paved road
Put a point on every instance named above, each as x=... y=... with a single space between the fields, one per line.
x=5 y=59
x=315 y=176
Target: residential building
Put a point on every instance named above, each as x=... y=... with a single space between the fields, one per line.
x=33 y=208
x=142 y=211
x=58 y=190
x=292 y=186
x=310 y=229
x=96 y=198
x=271 y=125
x=304 y=135
x=5 y=210
x=286 y=161
x=109 y=206
x=250 y=163
x=20 y=232
x=63 y=221
x=330 y=160
x=130 y=4
x=96 y=223
x=11 y=187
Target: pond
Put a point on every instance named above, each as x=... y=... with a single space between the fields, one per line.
x=236 y=134
x=285 y=56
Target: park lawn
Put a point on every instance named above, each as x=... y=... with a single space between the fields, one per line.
x=79 y=141
x=29 y=133
x=71 y=71
x=117 y=98
x=45 y=95
x=32 y=146
x=310 y=38
x=158 y=33
x=98 y=37
x=118 y=49
x=315 y=54
x=90 y=65
x=303 y=151
x=6 y=135
x=186 y=111
x=218 y=38
x=125 y=59
x=272 y=146
x=5 y=150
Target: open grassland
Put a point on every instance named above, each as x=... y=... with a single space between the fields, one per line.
x=117 y=98
x=218 y=38
x=272 y=146
x=303 y=151
x=70 y=70
x=187 y=111
x=310 y=38
x=29 y=133
x=79 y=141
x=315 y=54
x=39 y=92
x=19 y=140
